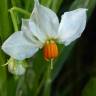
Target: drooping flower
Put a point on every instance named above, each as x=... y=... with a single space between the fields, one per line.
x=43 y=30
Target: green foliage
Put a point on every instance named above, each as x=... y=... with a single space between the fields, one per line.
x=5 y=25
x=90 y=88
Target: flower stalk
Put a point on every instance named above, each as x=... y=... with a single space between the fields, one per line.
x=20 y=10
x=14 y=20
x=47 y=87
x=51 y=64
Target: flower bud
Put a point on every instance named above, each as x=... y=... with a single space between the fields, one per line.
x=16 y=67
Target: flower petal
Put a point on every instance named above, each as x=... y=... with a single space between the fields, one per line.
x=18 y=47
x=72 y=25
x=37 y=32
x=46 y=19
x=29 y=34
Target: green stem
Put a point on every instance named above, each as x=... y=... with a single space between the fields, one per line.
x=13 y=2
x=14 y=17
x=56 y=5
x=4 y=64
x=28 y=4
x=49 y=3
x=21 y=11
x=51 y=64
x=14 y=20
x=40 y=86
x=47 y=87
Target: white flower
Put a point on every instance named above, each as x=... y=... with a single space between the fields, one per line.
x=43 y=30
x=16 y=67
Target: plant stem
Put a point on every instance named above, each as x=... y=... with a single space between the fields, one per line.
x=20 y=10
x=14 y=20
x=49 y=3
x=14 y=17
x=40 y=86
x=51 y=61
x=13 y=2
x=47 y=87
x=56 y=5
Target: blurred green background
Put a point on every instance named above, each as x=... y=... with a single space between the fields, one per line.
x=74 y=70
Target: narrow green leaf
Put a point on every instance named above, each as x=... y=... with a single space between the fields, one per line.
x=89 y=4
x=3 y=77
x=29 y=5
x=47 y=3
x=90 y=88
x=56 y=5
x=5 y=25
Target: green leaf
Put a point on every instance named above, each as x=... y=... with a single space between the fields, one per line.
x=56 y=5
x=89 y=4
x=90 y=88
x=5 y=24
x=5 y=31
x=28 y=5
x=3 y=77
x=47 y=3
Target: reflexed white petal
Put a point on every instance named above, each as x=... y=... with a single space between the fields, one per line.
x=26 y=30
x=18 y=47
x=46 y=19
x=72 y=25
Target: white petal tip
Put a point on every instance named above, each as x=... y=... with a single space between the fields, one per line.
x=3 y=47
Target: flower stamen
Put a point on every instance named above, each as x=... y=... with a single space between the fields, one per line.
x=50 y=50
